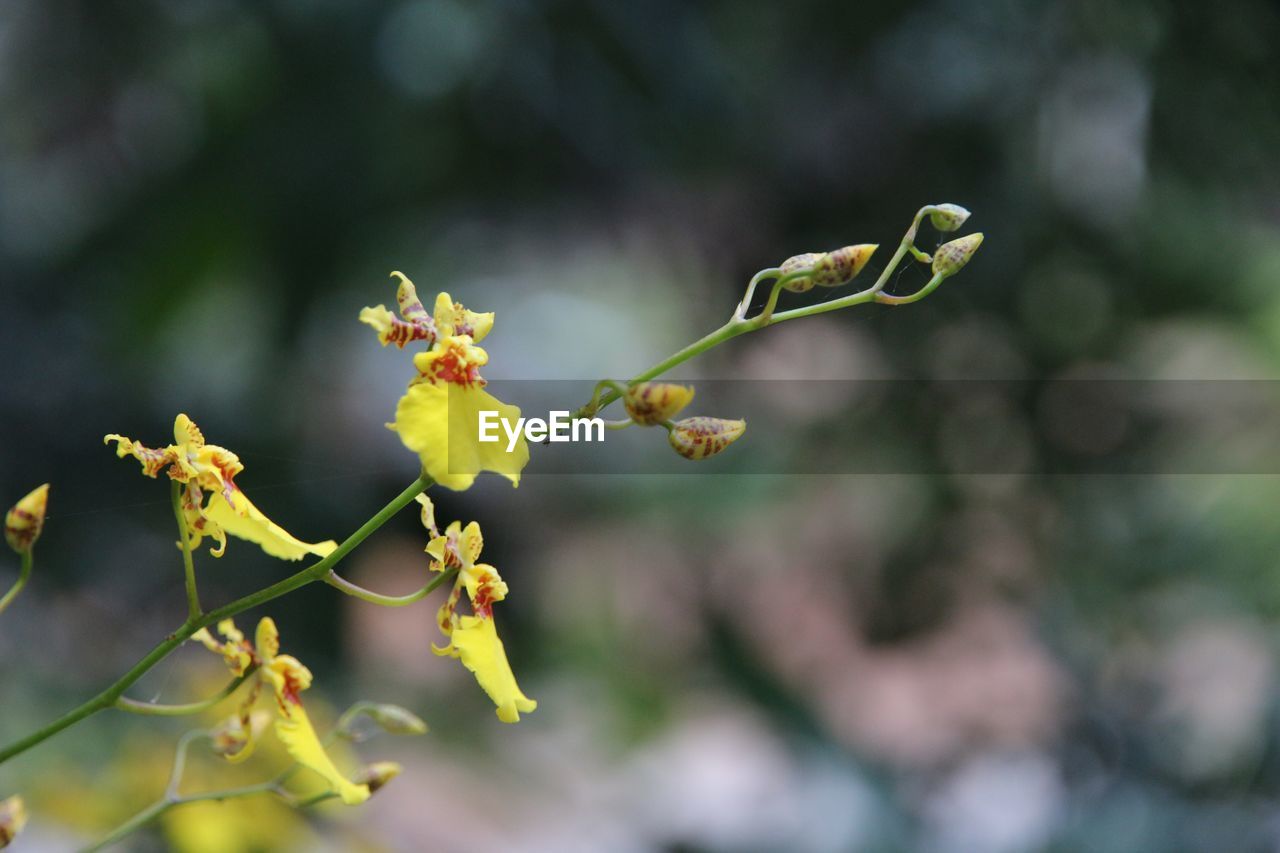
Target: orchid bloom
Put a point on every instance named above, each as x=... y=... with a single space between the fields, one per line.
x=209 y=469
x=287 y=678
x=473 y=638
x=439 y=416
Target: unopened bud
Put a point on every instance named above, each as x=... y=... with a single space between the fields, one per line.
x=651 y=403
x=947 y=217
x=837 y=267
x=22 y=524
x=830 y=269
x=13 y=817
x=796 y=263
x=700 y=437
x=951 y=257
x=395 y=720
x=377 y=775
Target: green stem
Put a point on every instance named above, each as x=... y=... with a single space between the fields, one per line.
x=153 y=709
x=28 y=560
x=315 y=572
x=132 y=825
x=739 y=325
x=193 y=597
x=338 y=582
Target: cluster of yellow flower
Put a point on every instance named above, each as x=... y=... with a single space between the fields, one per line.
x=438 y=418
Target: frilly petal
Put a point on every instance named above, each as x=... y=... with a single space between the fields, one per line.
x=247 y=522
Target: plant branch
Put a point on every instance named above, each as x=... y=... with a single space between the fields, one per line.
x=154 y=709
x=107 y=698
x=338 y=582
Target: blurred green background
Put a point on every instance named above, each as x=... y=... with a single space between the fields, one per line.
x=198 y=196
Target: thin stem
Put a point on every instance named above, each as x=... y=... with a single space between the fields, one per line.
x=745 y=304
x=28 y=560
x=188 y=566
x=739 y=325
x=338 y=582
x=312 y=573
x=132 y=825
x=171 y=791
x=154 y=709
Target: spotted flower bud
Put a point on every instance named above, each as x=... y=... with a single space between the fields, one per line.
x=700 y=437
x=22 y=524
x=378 y=774
x=796 y=263
x=13 y=817
x=951 y=257
x=395 y=720
x=652 y=403
x=830 y=269
x=948 y=217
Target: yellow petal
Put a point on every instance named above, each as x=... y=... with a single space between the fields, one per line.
x=477 y=644
x=471 y=543
x=153 y=460
x=299 y=738
x=484 y=587
x=392 y=330
x=440 y=422
x=13 y=817
x=428 y=515
x=246 y=521
x=266 y=640
x=185 y=432
x=452 y=318
x=411 y=307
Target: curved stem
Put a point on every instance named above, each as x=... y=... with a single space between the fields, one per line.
x=193 y=597
x=28 y=560
x=739 y=325
x=153 y=709
x=312 y=573
x=336 y=581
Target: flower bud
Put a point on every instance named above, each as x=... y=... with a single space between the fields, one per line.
x=830 y=269
x=13 y=817
x=377 y=774
x=799 y=262
x=700 y=437
x=947 y=217
x=837 y=267
x=395 y=720
x=951 y=257
x=22 y=524
x=652 y=403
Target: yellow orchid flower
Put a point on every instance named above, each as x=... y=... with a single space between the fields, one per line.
x=439 y=416
x=13 y=817
x=287 y=678
x=473 y=638
x=209 y=469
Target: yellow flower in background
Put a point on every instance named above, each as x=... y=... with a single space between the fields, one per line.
x=473 y=638
x=287 y=678
x=439 y=416
x=13 y=817
x=206 y=469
